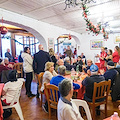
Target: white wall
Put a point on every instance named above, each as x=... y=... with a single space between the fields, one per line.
x=85 y=44
x=45 y=30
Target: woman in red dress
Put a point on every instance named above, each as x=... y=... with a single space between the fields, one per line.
x=103 y=54
x=116 y=55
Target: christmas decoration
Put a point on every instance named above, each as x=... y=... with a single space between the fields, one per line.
x=92 y=28
x=8 y=37
x=64 y=36
x=3 y=30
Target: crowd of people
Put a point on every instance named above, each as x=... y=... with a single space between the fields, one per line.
x=56 y=66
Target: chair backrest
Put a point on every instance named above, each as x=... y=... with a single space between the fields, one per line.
x=51 y=92
x=17 y=95
x=101 y=90
x=84 y=105
x=40 y=78
x=18 y=66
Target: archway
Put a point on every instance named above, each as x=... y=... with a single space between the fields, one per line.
x=31 y=30
x=72 y=40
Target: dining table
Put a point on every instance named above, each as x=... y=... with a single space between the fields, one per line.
x=81 y=90
x=1 y=109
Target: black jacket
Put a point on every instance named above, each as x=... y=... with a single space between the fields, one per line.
x=40 y=58
x=88 y=82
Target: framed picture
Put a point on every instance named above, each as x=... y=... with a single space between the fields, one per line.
x=96 y=44
x=117 y=39
x=50 y=43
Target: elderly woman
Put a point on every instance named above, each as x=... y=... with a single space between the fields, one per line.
x=49 y=73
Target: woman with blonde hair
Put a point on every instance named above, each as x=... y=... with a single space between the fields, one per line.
x=52 y=55
x=49 y=73
x=116 y=54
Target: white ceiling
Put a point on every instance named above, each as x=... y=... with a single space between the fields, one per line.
x=52 y=12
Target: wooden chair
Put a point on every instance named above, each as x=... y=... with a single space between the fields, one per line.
x=40 y=78
x=51 y=92
x=101 y=90
x=19 y=68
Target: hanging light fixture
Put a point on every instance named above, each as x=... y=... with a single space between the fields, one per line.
x=3 y=29
x=75 y=3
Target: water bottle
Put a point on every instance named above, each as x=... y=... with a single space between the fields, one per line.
x=115 y=116
x=77 y=68
x=72 y=73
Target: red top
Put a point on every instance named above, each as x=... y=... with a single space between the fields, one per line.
x=103 y=54
x=115 y=57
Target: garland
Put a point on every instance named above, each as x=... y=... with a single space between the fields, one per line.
x=8 y=37
x=90 y=27
x=64 y=36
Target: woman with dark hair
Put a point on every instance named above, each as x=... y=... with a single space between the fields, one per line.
x=11 y=87
x=116 y=54
x=78 y=64
x=108 y=57
x=28 y=69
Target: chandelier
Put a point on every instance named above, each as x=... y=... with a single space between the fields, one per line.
x=74 y=3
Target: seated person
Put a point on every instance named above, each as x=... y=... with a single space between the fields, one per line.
x=88 y=82
x=87 y=69
x=67 y=64
x=11 y=87
x=66 y=109
x=59 y=62
x=78 y=64
x=57 y=79
x=2 y=67
x=110 y=73
x=7 y=64
x=49 y=73
x=9 y=56
x=20 y=59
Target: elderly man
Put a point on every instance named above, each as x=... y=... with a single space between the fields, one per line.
x=88 y=82
x=87 y=69
x=2 y=67
x=59 y=63
x=67 y=64
x=40 y=58
x=9 y=56
x=67 y=110
x=57 y=79
x=110 y=73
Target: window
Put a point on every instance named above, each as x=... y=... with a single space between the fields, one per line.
x=6 y=43
x=19 y=47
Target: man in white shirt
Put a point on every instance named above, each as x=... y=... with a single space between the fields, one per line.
x=67 y=110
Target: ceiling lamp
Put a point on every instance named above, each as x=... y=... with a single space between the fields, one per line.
x=74 y=3
x=3 y=29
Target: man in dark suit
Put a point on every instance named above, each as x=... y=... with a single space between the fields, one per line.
x=40 y=58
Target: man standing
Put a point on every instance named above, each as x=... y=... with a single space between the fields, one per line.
x=40 y=58
x=69 y=52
